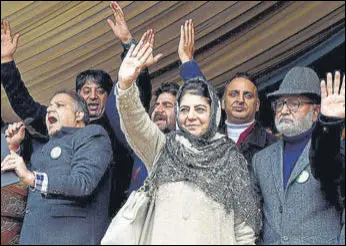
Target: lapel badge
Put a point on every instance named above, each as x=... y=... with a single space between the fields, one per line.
x=55 y=153
x=303 y=177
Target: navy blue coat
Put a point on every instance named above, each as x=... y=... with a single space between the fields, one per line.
x=75 y=208
x=25 y=106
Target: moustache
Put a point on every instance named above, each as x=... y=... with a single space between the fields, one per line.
x=282 y=118
x=158 y=116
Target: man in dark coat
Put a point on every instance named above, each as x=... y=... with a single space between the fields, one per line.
x=327 y=153
x=95 y=87
x=240 y=101
x=69 y=177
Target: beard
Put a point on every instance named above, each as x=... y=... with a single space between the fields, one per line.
x=167 y=127
x=295 y=126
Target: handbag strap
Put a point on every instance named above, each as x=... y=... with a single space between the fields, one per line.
x=148 y=181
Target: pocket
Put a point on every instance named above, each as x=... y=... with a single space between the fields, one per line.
x=320 y=241
x=62 y=211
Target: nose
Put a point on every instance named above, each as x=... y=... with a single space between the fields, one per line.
x=241 y=98
x=191 y=115
x=93 y=94
x=159 y=108
x=50 y=108
x=285 y=110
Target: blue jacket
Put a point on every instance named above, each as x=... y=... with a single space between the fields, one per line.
x=75 y=208
x=139 y=171
x=190 y=69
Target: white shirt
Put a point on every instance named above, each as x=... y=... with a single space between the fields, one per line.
x=235 y=130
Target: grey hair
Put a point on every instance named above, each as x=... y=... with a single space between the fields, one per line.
x=79 y=104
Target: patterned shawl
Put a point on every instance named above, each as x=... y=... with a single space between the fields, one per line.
x=214 y=164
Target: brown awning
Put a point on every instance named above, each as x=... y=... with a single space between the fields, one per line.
x=59 y=39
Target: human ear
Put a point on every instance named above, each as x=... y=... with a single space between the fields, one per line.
x=79 y=116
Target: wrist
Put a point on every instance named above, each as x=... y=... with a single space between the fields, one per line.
x=6 y=59
x=185 y=59
x=14 y=147
x=124 y=85
x=127 y=39
x=29 y=179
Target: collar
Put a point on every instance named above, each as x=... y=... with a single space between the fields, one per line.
x=238 y=126
x=65 y=131
x=254 y=134
x=299 y=138
x=245 y=135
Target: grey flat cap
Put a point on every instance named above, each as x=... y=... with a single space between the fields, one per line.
x=299 y=80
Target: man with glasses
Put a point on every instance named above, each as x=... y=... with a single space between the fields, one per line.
x=294 y=207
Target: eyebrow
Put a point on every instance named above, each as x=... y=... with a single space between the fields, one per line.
x=62 y=102
x=198 y=105
x=164 y=102
x=243 y=91
x=90 y=86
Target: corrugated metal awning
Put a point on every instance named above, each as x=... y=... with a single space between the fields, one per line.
x=61 y=38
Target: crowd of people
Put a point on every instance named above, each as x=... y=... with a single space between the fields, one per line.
x=90 y=148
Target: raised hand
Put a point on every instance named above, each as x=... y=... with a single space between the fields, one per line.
x=150 y=38
x=135 y=60
x=187 y=42
x=119 y=28
x=333 y=100
x=8 y=44
x=15 y=134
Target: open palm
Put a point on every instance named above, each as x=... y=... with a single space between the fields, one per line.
x=136 y=59
x=131 y=66
x=333 y=100
x=150 y=38
x=8 y=44
x=120 y=28
x=187 y=42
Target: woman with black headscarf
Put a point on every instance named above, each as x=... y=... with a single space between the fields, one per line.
x=204 y=191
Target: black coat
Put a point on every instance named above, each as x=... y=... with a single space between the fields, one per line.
x=327 y=159
x=257 y=139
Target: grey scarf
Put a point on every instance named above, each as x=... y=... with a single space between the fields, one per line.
x=214 y=164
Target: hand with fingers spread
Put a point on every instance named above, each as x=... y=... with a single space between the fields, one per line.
x=15 y=134
x=16 y=163
x=333 y=99
x=8 y=44
x=150 y=38
x=135 y=61
x=119 y=28
x=187 y=41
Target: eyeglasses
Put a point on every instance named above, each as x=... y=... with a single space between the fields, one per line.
x=292 y=104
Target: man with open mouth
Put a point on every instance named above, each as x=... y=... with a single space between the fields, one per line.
x=161 y=113
x=95 y=87
x=68 y=175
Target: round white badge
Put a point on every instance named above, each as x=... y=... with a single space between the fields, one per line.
x=55 y=153
x=303 y=177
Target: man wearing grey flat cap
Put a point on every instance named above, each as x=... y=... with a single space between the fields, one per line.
x=294 y=208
